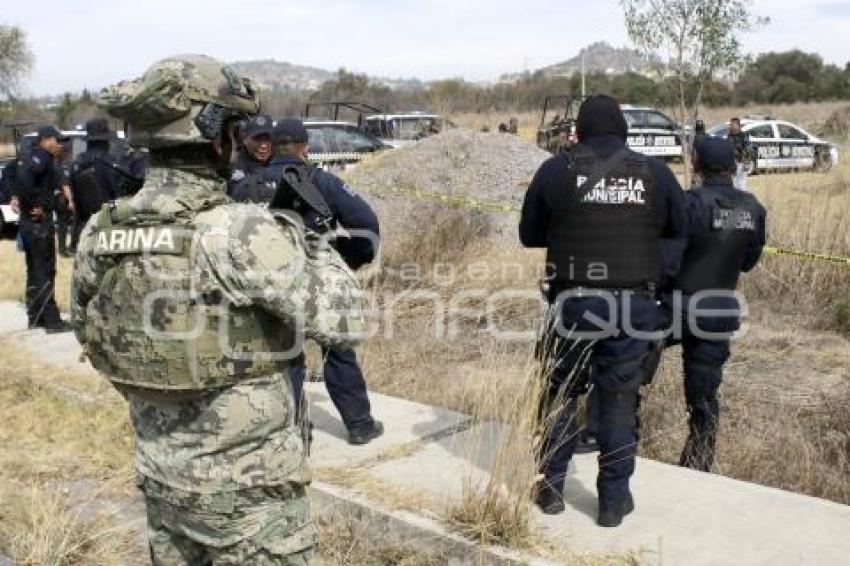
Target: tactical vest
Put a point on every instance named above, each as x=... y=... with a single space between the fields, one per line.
x=714 y=258
x=89 y=191
x=159 y=321
x=607 y=236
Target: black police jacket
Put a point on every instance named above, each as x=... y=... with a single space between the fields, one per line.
x=726 y=236
x=36 y=181
x=244 y=167
x=349 y=210
x=544 y=212
x=94 y=181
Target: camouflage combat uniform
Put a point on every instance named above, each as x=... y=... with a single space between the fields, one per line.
x=179 y=297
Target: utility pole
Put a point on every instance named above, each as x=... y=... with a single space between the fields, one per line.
x=583 y=73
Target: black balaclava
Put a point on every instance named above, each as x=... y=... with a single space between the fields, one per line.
x=600 y=115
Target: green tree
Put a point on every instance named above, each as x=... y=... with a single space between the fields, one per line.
x=16 y=59
x=699 y=37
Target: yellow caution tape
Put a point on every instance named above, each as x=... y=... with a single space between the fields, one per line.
x=808 y=255
x=502 y=206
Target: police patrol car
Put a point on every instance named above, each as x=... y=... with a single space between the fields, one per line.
x=334 y=143
x=403 y=129
x=652 y=133
x=783 y=146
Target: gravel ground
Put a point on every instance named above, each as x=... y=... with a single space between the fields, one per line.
x=459 y=162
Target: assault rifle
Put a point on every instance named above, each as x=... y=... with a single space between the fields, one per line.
x=296 y=192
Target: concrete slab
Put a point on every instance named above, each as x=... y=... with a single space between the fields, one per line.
x=13 y=317
x=681 y=516
x=404 y=422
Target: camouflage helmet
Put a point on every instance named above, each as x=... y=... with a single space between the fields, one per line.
x=180 y=100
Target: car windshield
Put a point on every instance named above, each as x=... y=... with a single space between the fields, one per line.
x=788 y=132
x=764 y=131
x=719 y=130
x=338 y=139
x=649 y=119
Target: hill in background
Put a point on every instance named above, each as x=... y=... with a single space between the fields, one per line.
x=271 y=74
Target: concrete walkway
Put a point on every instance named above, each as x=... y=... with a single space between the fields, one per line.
x=681 y=517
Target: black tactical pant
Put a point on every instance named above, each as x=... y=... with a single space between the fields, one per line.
x=612 y=366
x=64 y=226
x=705 y=349
x=345 y=384
x=39 y=241
x=80 y=221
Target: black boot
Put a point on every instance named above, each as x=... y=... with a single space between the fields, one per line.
x=366 y=435
x=611 y=513
x=549 y=500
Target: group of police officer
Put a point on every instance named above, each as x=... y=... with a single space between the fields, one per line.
x=634 y=265
x=218 y=451
x=55 y=197
x=275 y=153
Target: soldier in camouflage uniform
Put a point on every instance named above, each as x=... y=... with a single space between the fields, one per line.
x=180 y=298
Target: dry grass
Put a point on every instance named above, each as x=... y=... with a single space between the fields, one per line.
x=350 y=542
x=13 y=280
x=59 y=428
x=40 y=526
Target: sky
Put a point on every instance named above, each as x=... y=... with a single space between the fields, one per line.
x=89 y=44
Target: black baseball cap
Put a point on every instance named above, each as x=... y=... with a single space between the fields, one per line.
x=290 y=130
x=258 y=125
x=715 y=155
x=48 y=131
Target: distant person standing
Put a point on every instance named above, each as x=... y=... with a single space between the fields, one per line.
x=699 y=135
x=93 y=176
x=743 y=153
x=35 y=188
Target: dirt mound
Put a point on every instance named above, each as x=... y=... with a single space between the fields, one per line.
x=490 y=167
x=837 y=126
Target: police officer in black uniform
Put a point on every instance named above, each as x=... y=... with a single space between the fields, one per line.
x=601 y=211
x=345 y=209
x=254 y=155
x=35 y=186
x=726 y=235
x=94 y=175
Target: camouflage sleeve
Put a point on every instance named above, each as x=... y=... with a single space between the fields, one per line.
x=85 y=278
x=271 y=265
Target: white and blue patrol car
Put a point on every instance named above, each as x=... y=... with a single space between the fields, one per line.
x=783 y=146
x=652 y=133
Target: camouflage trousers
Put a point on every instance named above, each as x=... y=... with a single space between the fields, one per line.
x=257 y=526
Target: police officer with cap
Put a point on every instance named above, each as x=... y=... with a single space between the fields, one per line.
x=601 y=211
x=36 y=184
x=255 y=152
x=346 y=210
x=93 y=177
x=726 y=236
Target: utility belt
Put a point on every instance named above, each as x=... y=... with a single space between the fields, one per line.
x=649 y=289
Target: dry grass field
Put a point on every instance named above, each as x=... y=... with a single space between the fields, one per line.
x=787 y=387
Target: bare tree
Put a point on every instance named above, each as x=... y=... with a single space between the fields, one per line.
x=16 y=59
x=701 y=39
